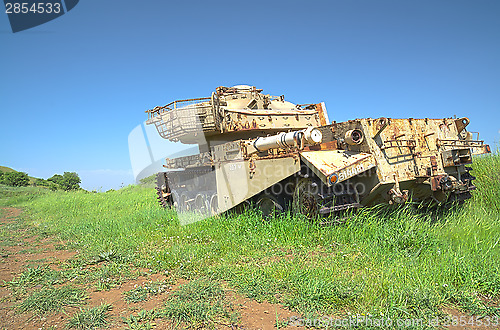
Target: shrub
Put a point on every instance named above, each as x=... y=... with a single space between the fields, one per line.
x=45 y=183
x=15 y=179
x=67 y=181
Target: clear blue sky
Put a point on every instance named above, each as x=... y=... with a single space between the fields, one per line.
x=73 y=88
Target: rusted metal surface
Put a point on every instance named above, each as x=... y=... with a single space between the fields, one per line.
x=381 y=160
x=334 y=166
x=323 y=116
x=461 y=123
x=456 y=157
x=434 y=165
x=410 y=144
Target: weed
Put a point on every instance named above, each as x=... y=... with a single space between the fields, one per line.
x=90 y=318
x=105 y=256
x=143 y=319
x=52 y=299
x=37 y=275
x=469 y=302
x=110 y=275
x=200 y=302
x=106 y=285
x=44 y=276
x=136 y=295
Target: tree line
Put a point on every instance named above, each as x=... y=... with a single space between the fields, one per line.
x=68 y=181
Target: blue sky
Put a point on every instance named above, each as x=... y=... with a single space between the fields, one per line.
x=74 y=88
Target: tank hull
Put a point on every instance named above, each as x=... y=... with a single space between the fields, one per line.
x=397 y=160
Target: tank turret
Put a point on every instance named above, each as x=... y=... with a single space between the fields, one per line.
x=239 y=112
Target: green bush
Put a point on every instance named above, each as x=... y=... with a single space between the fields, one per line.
x=15 y=179
x=46 y=183
x=67 y=181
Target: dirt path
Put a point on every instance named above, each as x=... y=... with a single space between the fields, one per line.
x=21 y=247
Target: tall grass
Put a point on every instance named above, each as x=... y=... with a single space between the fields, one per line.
x=16 y=195
x=403 y=262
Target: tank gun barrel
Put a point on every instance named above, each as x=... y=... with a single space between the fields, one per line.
x=298 y=139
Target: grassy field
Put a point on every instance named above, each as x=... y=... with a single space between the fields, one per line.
x=398 y=263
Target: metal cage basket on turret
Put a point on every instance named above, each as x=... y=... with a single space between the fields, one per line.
x=184 y=117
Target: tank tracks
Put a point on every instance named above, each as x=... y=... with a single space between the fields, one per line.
x=195 y=189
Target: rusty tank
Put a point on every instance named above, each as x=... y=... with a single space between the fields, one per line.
x=254 y=148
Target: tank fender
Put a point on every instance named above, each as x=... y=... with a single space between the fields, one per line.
x=239 y=180
x=334 y=166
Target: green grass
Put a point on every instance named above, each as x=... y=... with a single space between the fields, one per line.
x=143 y=319
x=110 y=275
x=200 y=303
x=400 y=262
x=102 y=277
x=90 y=318
x=10 y=196
x=44 y=276
x=37 y=276
x=52 y=299
x=12 y=232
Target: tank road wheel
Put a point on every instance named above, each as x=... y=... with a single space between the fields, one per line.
x=305 y=198
x=183 y=203
x=214 y=204
x=201 y=204
x=175 y=200
x=269 y=205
